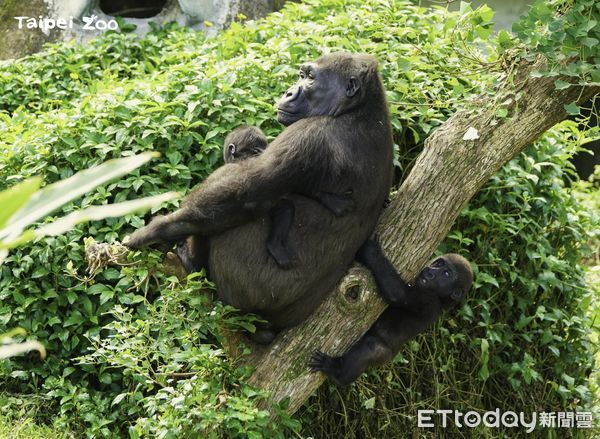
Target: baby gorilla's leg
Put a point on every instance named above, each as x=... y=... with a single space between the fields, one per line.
x=371 y=350
x=282 y=218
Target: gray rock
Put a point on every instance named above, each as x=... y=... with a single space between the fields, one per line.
x=23 y=32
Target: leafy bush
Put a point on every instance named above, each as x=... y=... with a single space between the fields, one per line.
x=133 y=352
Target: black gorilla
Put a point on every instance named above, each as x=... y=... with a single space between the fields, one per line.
x=242 y=143
x=438 y=287
x=339 y=142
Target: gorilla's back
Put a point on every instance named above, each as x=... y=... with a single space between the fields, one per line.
x=248 y=278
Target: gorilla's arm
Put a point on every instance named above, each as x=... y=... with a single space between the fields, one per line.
x=235 y=193
x=339 y=205
x=390 y=285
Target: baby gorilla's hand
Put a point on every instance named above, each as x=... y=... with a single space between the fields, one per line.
x=321 y=362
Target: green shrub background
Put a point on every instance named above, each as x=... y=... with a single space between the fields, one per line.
x=135 y=353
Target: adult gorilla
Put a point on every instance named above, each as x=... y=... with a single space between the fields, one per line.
x=338 y=141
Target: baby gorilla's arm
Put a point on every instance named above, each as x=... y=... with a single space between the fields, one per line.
x=390 y=285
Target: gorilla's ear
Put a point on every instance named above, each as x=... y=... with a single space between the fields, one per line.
x=232 y=149
x=457 y=295
x=353 y=86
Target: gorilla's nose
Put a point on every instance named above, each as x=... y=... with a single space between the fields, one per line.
x=291 y=94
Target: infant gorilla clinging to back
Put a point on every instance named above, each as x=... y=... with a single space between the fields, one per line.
x=241 y=144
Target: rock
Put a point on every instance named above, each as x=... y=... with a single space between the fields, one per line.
x=26 y=26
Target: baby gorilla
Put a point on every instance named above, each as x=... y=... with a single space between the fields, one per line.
x=440 y=286
x=245 y=142
x=241 y=144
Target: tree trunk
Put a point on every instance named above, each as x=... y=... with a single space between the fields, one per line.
x=448 y=172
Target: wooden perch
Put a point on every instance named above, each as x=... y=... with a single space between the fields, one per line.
x=449 y=171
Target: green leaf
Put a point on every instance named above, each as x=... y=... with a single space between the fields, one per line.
x=504 y=39
x=523 y=321
x=561 y=85
x=12 y=199
x=55 y=195
x=369 y=403
x=96 y=213
x=572 y=109
x=484 y=372
x=119 y=398
x=483 y=277
x=590 y=42
x=501 y=112
x=106 y=295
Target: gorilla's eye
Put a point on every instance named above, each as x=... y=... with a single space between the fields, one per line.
x=438 y=263
x=301 y=74
x=446 y=273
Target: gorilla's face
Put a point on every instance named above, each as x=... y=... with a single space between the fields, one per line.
x=442 y=278
x=319 y=92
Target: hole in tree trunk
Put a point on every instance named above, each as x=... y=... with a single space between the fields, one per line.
x=352 y=293
x=132 y=8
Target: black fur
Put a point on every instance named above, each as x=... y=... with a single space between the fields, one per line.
x=244 y=142
x=438 y=287
x=339 y=142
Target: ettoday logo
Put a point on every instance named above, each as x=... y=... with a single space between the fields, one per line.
x=509 y=419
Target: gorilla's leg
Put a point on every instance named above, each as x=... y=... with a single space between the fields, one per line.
x=194 y=219
x=389 y=283
x=169 y=229
x=264 y=334
x=282 y=219
x=193 y=253
x=369 y=351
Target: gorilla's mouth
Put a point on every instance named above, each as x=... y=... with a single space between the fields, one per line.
x=286 y=113
x=287 y=118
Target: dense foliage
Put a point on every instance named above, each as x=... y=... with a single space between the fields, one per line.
x=132 y=352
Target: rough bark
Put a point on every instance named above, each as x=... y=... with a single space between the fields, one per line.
x=446 y=175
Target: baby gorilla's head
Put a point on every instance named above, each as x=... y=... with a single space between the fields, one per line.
x=244 y=142
x=449 y=276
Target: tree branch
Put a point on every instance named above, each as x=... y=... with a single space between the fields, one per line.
x=446 y=175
